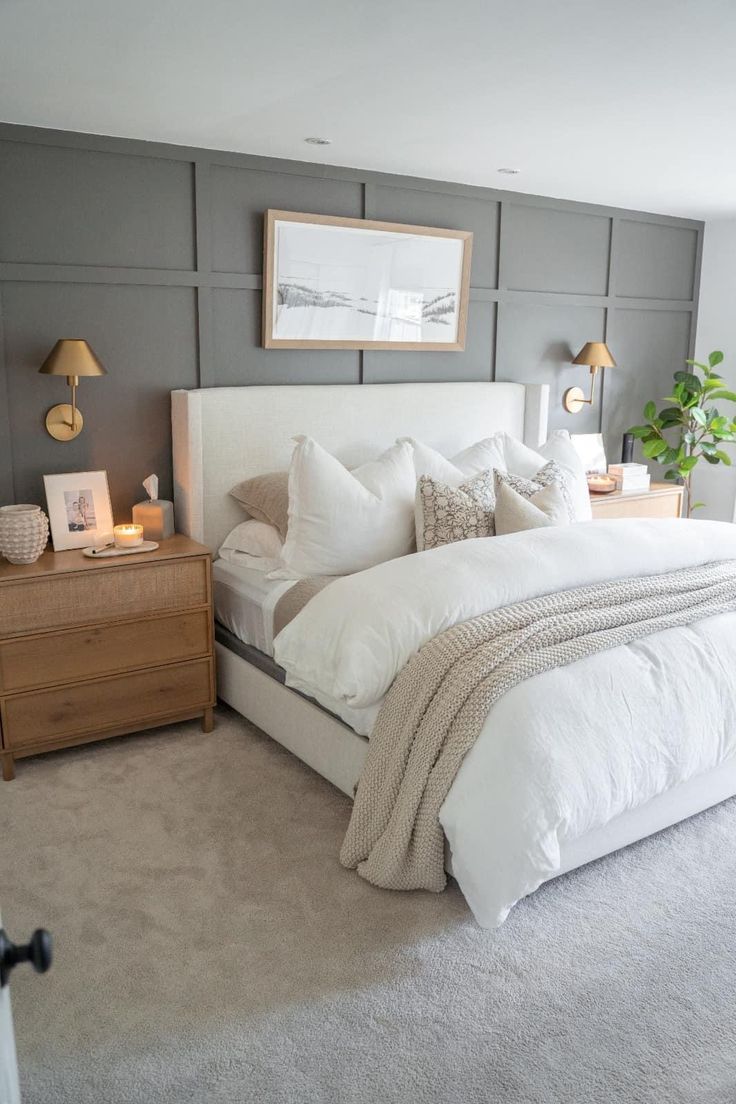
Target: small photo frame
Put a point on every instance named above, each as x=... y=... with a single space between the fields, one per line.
x=79 y=507
x=591 y=450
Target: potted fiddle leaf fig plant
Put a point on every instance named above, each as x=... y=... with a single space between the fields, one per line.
x=691 y=428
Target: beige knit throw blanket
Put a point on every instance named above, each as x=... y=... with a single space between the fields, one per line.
x=436 y=708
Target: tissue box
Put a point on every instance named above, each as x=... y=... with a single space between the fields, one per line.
x=156 y=515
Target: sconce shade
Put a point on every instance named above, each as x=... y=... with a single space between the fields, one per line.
x=72 y=356
x=595 y=354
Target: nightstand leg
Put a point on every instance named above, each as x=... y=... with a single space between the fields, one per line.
x=8 y=767
x=208 y=720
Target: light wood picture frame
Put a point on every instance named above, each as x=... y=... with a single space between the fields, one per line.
x=80 y=512
x=345 y=283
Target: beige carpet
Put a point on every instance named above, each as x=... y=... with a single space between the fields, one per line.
x=211 y=949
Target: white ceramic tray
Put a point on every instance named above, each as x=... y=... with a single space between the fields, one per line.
x=105 y=553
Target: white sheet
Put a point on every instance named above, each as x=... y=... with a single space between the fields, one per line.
x=563 y=753
x=245 y=600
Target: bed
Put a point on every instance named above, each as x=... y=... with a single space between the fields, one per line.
x=223 y=435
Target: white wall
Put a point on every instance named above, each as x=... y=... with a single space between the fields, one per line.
x=716 y=486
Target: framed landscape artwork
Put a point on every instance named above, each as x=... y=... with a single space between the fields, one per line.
x=343 y=283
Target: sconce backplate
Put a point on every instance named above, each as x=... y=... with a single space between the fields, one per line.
x=574 y=400
x=59 y=422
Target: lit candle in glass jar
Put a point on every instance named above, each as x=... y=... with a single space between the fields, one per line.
x=127 y=536
x=601 y=484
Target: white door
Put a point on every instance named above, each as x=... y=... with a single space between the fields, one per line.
x=9 y=1091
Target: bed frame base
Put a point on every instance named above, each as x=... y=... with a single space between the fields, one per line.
x=320 y=740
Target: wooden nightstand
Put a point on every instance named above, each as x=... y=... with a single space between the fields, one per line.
x=660 y=501
x=97 y=648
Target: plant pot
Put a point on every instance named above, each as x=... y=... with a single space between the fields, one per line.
x=24 y=532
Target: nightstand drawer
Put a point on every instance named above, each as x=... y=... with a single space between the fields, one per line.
x=33 y=661
x=48 y=716
x=660 y=504
x=83 y=598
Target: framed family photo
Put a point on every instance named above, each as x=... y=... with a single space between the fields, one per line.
x=344 y=283
x=79 y=508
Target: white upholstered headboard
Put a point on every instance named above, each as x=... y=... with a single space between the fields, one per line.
x=225 y=434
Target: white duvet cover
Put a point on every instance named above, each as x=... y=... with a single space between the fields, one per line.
x=568 y=750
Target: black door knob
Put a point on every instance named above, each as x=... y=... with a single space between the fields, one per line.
x=38 y=951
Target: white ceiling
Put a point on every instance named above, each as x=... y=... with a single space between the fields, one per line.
x=630 y=103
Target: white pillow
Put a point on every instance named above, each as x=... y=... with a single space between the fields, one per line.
x=254 y=544
x=522 y=460
x=471 y=461
x=343 y=521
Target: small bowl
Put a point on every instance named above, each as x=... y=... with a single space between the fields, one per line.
x=601 y=484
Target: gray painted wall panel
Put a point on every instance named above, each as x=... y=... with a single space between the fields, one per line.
x=538 y=342
x=550 y=250
x=474 y=363
x=655 y=262
x=145 y=337
x=451 y=212
x=153 y=309
x=652 y=345
x=240 y=197
x=77 y=207
x=239 y=358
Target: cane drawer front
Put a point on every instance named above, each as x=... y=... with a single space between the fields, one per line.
x=34 y=661
x=45 y=716
x=81 y=598
x=659 y=505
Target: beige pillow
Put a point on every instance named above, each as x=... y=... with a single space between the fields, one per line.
x=266 y=498
x=516 y=512
x=444 y=514
x=550 y=475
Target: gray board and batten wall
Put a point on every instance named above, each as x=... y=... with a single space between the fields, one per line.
x=153 y=253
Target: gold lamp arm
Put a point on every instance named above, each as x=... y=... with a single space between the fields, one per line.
x=73 y=382
x=574 y=399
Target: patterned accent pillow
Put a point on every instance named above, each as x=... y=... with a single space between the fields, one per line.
x=445 y=514
x=550 y=475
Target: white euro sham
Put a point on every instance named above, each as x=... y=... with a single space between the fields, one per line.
x=344 y=521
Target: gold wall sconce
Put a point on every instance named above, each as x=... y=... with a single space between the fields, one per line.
x=71 y=357
x=595 y=354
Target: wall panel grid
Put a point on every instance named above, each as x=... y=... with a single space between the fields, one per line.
x=154 y=252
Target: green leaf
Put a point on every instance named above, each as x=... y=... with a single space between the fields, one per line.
x=699 y=415
x=673 y=398
x=724 y=458
x=711 y=459
x=689 y=438
x=689 y=381
x=640 y=431
x=669 y=457
x=713 y=382
x=655 y=448
x=730 y=396
x=697 y=506
x=670 y=416
x=708 y=447
x=671 y=475
x=715 y=358
x=689 y=463
x=650 y=410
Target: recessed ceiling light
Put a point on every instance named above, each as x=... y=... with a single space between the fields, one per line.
x=509 y=172
x=318 y=141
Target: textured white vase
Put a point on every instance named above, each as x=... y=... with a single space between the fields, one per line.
x=24 y=531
